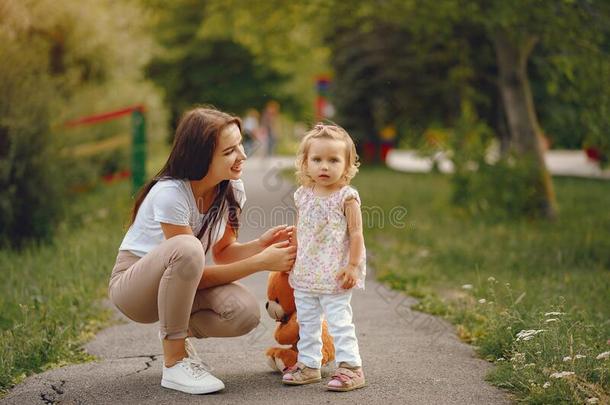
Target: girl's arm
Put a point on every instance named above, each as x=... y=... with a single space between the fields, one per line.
x=354 y=228
x=348 y=276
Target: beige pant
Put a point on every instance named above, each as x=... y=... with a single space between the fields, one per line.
x=162 y=286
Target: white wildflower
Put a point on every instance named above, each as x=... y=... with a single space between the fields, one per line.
x=551 y=320
x=554 y=313
x=519 y=357
x=562 y=374
x=500 y=359
x=593 y=400
x=578 y=356
x=603 y=355
x=482 y=301
x=491 y=279
x=528 y=334
x=546 y=385
x=467 y=286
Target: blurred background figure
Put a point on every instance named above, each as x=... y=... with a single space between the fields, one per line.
x=269 y=126
x=251 y=131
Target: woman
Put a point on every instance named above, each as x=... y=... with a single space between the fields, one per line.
x=192 y=205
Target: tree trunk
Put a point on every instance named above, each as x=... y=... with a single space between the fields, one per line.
x=525 y=135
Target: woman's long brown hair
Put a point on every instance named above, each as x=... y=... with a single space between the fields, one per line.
x=190 y=158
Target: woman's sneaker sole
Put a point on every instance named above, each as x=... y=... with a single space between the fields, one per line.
x=192 y=390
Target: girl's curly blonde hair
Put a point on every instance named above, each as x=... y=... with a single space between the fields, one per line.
x=326 y=131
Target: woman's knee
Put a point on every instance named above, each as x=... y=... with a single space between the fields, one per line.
x=188 y=252
x=240 y=310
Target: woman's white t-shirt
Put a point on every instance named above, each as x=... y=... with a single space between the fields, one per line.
x=171 y=201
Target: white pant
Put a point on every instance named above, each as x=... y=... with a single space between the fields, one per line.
x=338 y=314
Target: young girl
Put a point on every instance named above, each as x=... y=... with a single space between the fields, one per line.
x=330 y=256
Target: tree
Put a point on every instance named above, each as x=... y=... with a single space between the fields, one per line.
x=386 y=74
x=220 y=72
x=574 y=99
x=515 y=33
x=245 y=48
x=285 y=36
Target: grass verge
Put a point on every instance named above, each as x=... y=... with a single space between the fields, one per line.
x=533 y=297
x=50 y=300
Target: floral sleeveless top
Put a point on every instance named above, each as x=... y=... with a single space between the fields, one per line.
x=323 y=241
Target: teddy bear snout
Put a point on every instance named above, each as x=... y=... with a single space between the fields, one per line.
x=275 y=310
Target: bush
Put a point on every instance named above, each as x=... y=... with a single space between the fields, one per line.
x=29 y=179
x=67 y=60
x=493 y=187
x=504 y=190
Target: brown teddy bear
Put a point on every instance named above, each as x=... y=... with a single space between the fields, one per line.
x=281 y=307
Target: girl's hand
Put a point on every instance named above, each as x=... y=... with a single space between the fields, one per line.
x=278 y=257
x=276 y=234
x=348 y=277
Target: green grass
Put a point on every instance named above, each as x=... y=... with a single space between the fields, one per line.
x=520 y=270
x=50 y=295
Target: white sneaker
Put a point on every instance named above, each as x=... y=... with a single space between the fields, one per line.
x=190 y=376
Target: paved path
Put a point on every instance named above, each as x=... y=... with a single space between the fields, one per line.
x=559 y=163
x=410 y=357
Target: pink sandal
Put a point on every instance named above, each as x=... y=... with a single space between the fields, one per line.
x=345 y=379
x=299 y=374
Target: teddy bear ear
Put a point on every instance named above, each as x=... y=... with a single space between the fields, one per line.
x=272 y=282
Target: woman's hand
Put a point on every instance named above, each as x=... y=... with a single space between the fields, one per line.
x=276 y=234
x=278 y=257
